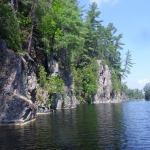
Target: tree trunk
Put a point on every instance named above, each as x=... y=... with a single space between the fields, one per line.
x=32 y=26
x=46 y=63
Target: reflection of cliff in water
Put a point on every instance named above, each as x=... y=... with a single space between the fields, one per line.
x=88 y=127
x=63 y=128
x=110 y=126
x=87 y=119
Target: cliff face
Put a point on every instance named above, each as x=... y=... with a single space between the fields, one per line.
x=104 y=93
x=66 y=99
x=17 y=87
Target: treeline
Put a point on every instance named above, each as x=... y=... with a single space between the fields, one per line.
x=133 y=93
x=146 y=90
x=58 y=28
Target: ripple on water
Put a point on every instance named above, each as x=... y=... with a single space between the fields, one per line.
x=104 y=126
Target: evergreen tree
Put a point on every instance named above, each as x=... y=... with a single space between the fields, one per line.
x=127 y=64
x=147 y=91
x=132 y=93
x=55 y=28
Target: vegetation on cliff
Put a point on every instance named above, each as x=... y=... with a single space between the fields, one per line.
x=44 y=27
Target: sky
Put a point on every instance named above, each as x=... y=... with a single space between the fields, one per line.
x=132 y=19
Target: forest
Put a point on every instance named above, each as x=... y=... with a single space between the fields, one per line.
x=146 y=90
x=133 y=93
x=74 y=36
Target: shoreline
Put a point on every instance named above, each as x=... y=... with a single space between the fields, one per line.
x=18 y=124
x=50 y=112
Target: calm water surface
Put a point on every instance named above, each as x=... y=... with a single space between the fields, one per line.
x=88 y=127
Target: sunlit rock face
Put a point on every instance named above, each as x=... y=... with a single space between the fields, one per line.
x=104 y=93
x=17 y=87
x=66 y=99
x=104 y=84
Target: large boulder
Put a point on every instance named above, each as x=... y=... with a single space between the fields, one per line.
x=17 y=87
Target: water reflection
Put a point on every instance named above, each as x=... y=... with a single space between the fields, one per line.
x=87 y=120
x=111 y=131
x=88 y=127
x=136 y=116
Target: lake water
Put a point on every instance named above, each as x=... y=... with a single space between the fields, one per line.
x=87 y=127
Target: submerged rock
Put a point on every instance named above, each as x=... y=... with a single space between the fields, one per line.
x=17 y=87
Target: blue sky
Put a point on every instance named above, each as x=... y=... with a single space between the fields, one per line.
x=132 y=19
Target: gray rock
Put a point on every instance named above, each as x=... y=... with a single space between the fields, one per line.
x=3 y=45
x=44 y=109
x=67 y=98
x=104 y=93
x=15 y=107
x=104 y=84
x=53 y=67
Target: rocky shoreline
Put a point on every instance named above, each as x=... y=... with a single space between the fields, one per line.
x=19 y=99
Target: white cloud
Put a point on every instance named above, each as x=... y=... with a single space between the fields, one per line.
x=100 y=2
x=143 y=81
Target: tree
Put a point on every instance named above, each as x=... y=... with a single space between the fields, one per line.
x=127 y=64
x=55 y=29
x=9 y=26
x=91 y=39
x=132 y=93
x=147 y=91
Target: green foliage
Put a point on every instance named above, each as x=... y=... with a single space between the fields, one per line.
x=86 y=81
x=24 y=23
x=52 y=85
x=104 y=62
x=127 y=64
x=89 y=79
x=56 y=26
x=116 y=83
x=9 y=28
x=147 y=91
x=42 y=76
x=132 y=93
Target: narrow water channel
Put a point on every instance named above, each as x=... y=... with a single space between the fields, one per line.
x=87 y=127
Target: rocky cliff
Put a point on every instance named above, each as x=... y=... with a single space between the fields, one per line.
x=63 y=100
x=105 y=93
x=66 y=99
x=17 y=87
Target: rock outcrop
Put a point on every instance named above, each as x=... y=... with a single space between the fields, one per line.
x=17 y=87
x=66 y=99
x=119 y=97
x=42 y=97
x=104 y=93
x=63 y=100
